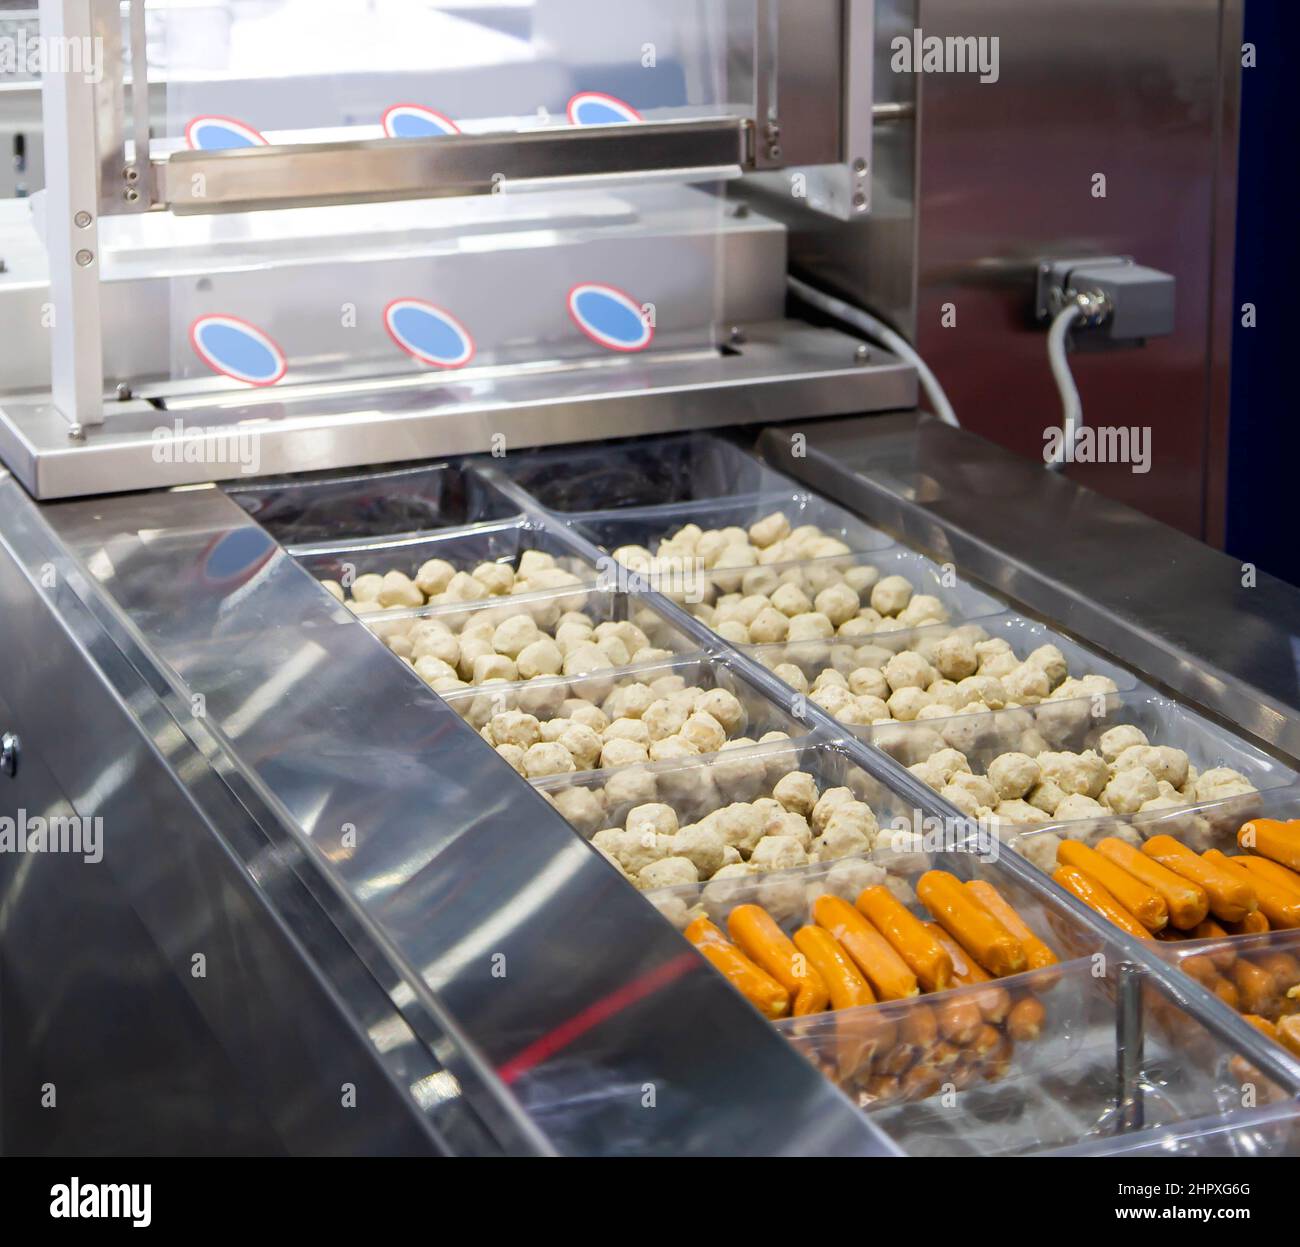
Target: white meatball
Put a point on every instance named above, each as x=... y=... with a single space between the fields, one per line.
x=655 y=816
x=545 y=759
x=891 y=595
x=1129 y=790
x=955 y=657
x=669 y=872
x=434 y=576
x=1117 y=739
x=797 y=792
x=704 y=732
x=1013 y=775
x=620 y=752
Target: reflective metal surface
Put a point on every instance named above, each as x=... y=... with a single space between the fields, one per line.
x=486 y=906
x=780 y=368
x=377 y=170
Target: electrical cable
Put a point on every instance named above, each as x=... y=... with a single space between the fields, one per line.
x=880 y=332
x=1071 y=404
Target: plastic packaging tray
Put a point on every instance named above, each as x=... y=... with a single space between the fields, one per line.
x=1074 y=1101
x=546 y=607
x=1075 y=725
x=544 y=698
x=464 y=548
x=648 y=526
x=1270 y=1131
x=846 y=656
x=640 y=473
x=699 y=787
x=319 y=507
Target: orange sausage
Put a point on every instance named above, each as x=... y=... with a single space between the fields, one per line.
x=1223 y=958
x=1140 y=899
x=885 y=969
x=1037 y=954
x=1230 y=899
x=1227 y=992
x=1280 y=908
x=844 y=982
x=1251 y=924
x=1263 y=1025
x=919 y=1027
x=1188 y=903
x=959 y=1020
x=898 y=1060
x=757 y=936
x=1092 y=894
x=920 y=1082
x=757 y=986
x=987 y=1041
x=881 y=1090
x=922 y=953
x=1288 y=1032
x=1280 y=875
x=1025 y=1021
x=1284 y=968
x=1257 y=988
x=970 y=924
x=1278 y=841
x=994 y=1002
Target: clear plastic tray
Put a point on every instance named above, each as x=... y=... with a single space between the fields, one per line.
x=546 y=608
x=1075 y=725
x=648 y=526
x=1209 y=825
x=697 y=788
x=846 y=656
x=464 y=548
x=1270 y=1131
x=320 y=507
x=544 y=699
x=639 y=473
x=1070 y=1097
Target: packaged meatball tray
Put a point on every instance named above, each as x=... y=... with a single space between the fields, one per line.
x=517 y=549
x=662 y=713
x=936 y=672
x=1196 y=763
x=315 y=507
x=758 y=523
x=529 y=636
x=747 y=810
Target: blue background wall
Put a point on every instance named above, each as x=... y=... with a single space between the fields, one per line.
x=1264 y=434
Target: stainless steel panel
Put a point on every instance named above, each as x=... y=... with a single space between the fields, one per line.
x=781 y=368
x=376 y=170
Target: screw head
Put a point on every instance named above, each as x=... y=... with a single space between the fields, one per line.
x=123 y=392
x=860 y=167
x=82 y=219
x=861 y=353
x=774 y=151
x=736 y=334
x=85 y=257
x=131 y=173
x=860 y=202
x=132 y=195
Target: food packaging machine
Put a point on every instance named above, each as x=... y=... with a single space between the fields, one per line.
x=386 y=756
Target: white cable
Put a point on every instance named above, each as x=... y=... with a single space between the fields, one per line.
x=883 y=334
x=1071 y=404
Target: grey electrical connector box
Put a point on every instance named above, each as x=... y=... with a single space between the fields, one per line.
x=1141 y=298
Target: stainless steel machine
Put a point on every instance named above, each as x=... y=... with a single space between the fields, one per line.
x=482 y=304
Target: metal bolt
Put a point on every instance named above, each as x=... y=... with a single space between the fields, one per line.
x=774 y=151
x=860 y=202
x=76 y=433
x=131 y=173
x=737 y=334
x=123 y=392
x=860 y=167
x=85 y=257
x=132 y=195
x=82 y=219
x=862 y=353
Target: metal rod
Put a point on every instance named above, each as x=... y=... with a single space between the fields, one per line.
x=1129 y=1056
x=381 y=170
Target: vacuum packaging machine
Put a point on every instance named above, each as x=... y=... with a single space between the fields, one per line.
x=489 y=673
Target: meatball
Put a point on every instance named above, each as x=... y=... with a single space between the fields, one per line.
x=797 y=792
x=668 y=872
x=1013 y=775
x=1114 y=742
x=891 y=595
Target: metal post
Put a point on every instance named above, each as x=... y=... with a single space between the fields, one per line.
x=71 y=210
